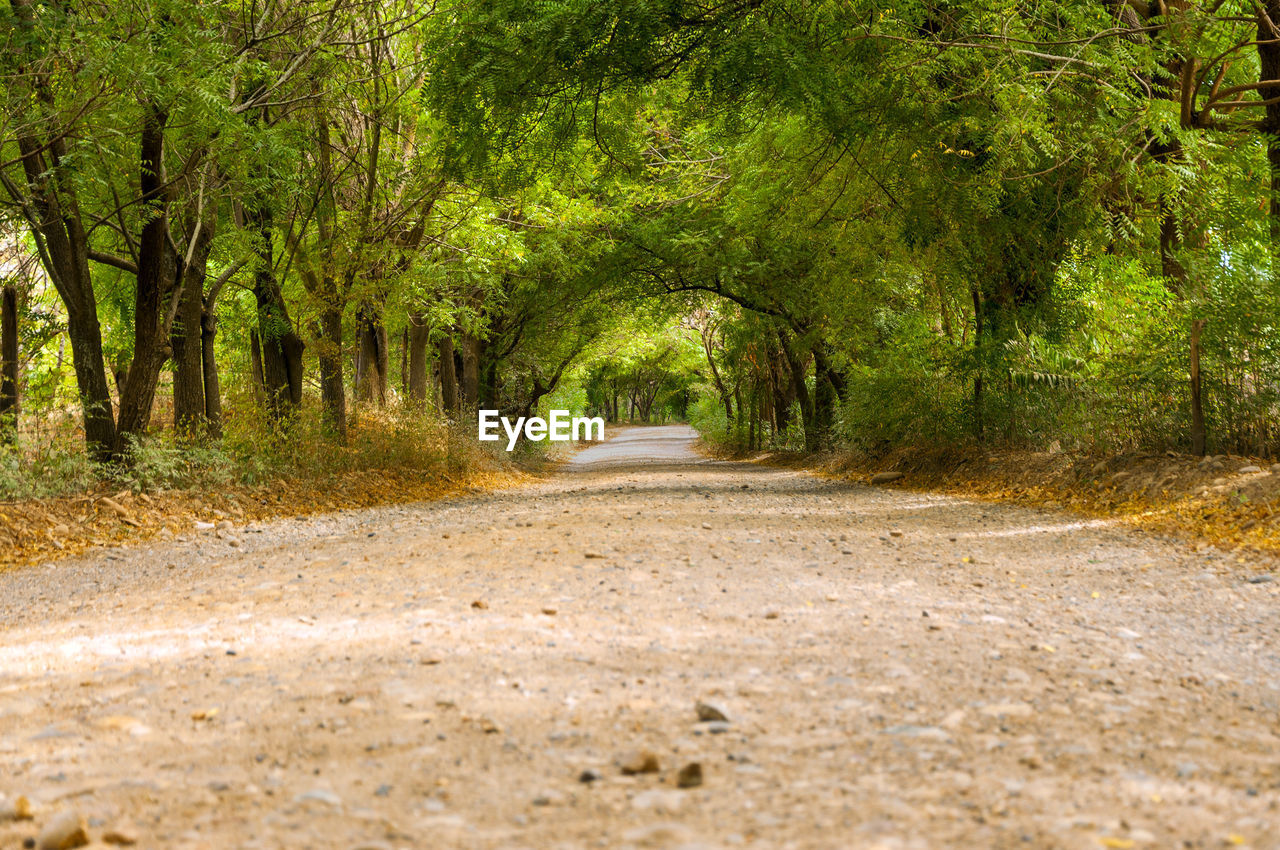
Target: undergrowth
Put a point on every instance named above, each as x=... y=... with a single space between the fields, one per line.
x=253 y=451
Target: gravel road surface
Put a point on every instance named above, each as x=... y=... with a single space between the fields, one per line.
x=525 y=668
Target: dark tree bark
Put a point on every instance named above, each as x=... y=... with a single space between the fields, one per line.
x=448 y=376
x=324 y=286
x=978 y=329
x=157 y=269
x=9 y=364
x=281 y=347
x=491 y=379
x=797 y=371
x=470 y=388
x=208 y=360
x=416 y=341
x=50 y=205
x=707 y=333
x=333 y=390
x=190 y=410
x=372 y=358
x=209 y=370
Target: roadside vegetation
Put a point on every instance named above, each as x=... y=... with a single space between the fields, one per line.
x=251 y=242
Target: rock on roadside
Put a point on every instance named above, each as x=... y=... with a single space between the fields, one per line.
x=65 y=831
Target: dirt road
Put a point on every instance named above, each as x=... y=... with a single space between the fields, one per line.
x=898 y=670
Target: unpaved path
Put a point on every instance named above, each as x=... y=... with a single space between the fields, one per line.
x=899 y=670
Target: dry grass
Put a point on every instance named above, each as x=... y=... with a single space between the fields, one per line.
x=256 y=474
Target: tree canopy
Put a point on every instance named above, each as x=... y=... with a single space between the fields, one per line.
x=809 y=224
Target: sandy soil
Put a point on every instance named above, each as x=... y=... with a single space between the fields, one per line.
x=898 y=670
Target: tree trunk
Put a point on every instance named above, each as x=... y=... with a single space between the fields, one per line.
x=157 y=269
x=490 y=380
x=470 y=370
x=709 y=350
x=255 y=363
x=333 y=390
x=281 y=346
x=416 y=340
x=9 y=365
x=188 y=362
x=372 y=357
x=186 y=340
x=404 y=362
x=52 y=210
x=1197 y=401
x=448 y=376
x=209 y=369
x=797 y=371
x=978 y=420
x=829 y=387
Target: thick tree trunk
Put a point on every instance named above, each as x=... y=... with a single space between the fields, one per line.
x=157 y=267
x=188 y=363
x=9 y=364
x=416 y=342
x=448 y=376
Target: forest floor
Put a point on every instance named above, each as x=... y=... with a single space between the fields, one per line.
x=896 y=669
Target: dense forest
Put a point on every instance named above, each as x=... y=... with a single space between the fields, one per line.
x=231 y=227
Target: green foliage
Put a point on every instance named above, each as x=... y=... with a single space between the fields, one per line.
x=797 y=223
x=54 y=471
x=163 y=463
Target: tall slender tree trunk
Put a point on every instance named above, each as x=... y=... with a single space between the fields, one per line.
x=190 y=411
x=797 y=372
x=209 y=370
x=188 y=363
x=333 y=390
x=255 y=366
x=979 y=420
x=708 y=348
x=324 y=285
x=282 y=348
x=9 y=364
